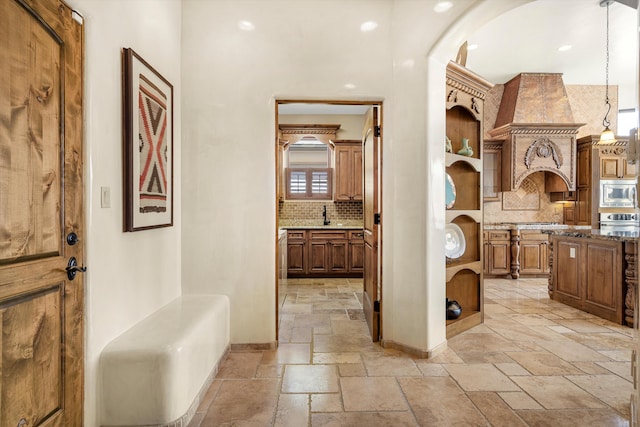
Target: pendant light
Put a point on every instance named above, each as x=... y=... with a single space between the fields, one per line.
x=607 y=137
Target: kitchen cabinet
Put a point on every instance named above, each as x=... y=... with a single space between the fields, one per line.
x=534 y=256
x=356 y=251
x=348 y=167
x=587 y=274
x=465 y=94
x=497 y=257
x=325 y=253
x=296 y=252
x=616 y=168
x=492 y=173
x=516 y=252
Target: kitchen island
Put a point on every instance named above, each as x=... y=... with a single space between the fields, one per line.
x=519 y=249
x=595 y=271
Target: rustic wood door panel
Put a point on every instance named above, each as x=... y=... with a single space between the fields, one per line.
x=296 y=257
x=499 y=258
x=339 y=256
x=532 y=258
x=318 y=256
x=567 y=269
x=602 y=287
x=41 y=310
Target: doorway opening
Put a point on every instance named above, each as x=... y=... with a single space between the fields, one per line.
x=328 y=212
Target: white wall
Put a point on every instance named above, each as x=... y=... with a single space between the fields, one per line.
x=224 y=236
x=306 y=50
x=129 y=274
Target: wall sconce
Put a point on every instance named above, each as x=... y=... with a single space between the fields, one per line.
x=607 y=137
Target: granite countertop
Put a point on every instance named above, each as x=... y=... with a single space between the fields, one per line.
x=620 y=236
x=317 y=225
x=533 y=226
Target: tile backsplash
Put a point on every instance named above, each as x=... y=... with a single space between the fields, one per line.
x=310 y=212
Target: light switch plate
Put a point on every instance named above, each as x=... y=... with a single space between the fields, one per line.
x=105 y=197
x=572 y=252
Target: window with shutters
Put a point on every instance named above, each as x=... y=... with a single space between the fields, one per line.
x=308 y=175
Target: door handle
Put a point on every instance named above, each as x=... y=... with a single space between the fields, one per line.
x=73 y=268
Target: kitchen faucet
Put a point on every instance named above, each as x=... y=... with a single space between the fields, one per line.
x=324 y=215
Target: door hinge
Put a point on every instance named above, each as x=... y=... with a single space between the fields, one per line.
x=376 y=306
x=377 y=130
x=376 y=218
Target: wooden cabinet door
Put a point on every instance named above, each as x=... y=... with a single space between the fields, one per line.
x=318 y=256
x=630 y=170
x=356 y=174
x=339 y=256
x=583 y=206
x=567 y=272
x=492 y=175
x=610 y=168
x=584 y=167
x=499 y=257
x=603 y=285
x=296 y=257
x=533 y=258
x=343 y=173
x=356 y=256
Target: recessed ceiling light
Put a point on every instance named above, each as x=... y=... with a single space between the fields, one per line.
x=442 y=6
x=368 y=26
x=472 y=46
x=349 y=86
x=564 y=48
x=246 y=25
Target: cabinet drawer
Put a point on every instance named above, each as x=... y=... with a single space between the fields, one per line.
x=296 y=234
x=499 y=235
x=327 y=234
x=534 y=235
x=356 y=235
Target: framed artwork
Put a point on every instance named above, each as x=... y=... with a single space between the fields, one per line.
x=147 y=114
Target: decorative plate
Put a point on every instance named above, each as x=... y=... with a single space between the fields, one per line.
x=454 y=242
x=449 y=192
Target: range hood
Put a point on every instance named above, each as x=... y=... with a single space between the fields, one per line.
x=536 y=123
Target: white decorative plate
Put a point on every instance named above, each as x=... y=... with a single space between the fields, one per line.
x=449 y=192
x=454 y=242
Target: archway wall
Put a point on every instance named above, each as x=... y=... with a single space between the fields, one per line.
x=232 y=79
x=477 y=15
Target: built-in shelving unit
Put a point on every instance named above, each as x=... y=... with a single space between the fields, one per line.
x=465 y=102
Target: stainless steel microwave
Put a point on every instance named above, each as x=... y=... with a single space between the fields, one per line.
x=618 y=193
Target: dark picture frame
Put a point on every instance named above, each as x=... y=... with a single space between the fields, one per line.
x=147 y=116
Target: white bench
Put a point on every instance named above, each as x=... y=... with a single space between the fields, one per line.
x=155 y=373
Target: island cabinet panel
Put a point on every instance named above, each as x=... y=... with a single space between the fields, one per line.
x=587 y=274
x=568 y=271
x=603 y=293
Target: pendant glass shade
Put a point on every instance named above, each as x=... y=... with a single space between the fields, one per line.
x=607 y=137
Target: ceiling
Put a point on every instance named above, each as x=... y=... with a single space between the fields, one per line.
x=527 y=38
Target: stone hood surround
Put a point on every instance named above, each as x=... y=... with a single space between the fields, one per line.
x=536 y=123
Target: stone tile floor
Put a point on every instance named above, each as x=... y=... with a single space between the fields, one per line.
x=534 y=362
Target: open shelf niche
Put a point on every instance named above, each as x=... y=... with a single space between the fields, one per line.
x=465 y=93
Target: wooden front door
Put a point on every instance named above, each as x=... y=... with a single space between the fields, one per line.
x=41 y=205
x=371 y=211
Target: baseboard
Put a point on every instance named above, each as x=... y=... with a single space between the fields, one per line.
x=422 y=354
x=254 y=346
